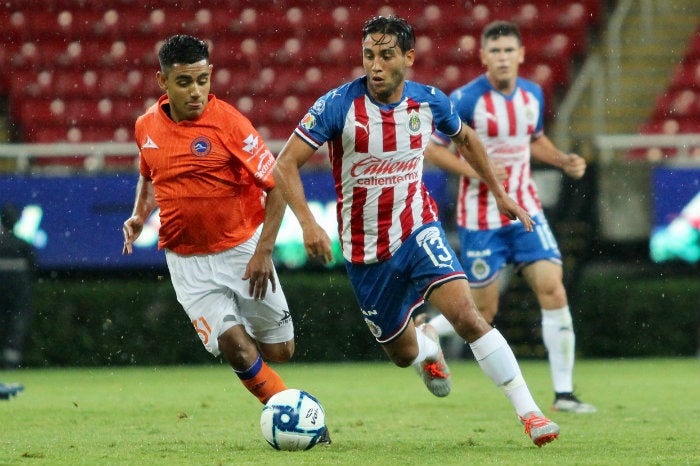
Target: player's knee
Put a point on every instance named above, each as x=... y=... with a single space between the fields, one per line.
x=278 y=352
x=469 y=323
x=401 y=361
x=400 y=357
x=553 y=293
x=238 y=348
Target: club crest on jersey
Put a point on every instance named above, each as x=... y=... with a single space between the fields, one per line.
x=414 y=123
x=480 y=269
x=319 y=106
x=530 y=114
x=309 y=121
x=201 y=146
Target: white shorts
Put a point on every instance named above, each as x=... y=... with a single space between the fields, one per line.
x=214 y=295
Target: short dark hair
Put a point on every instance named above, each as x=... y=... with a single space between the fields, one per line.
x=391 y=25
x=183 y=49
x=497 y=29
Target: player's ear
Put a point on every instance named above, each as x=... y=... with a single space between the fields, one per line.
x=162 y=80
x=410 y=57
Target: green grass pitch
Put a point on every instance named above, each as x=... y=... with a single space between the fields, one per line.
x=378 y=414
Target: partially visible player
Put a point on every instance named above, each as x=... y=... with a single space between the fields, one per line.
x=395 y=250
x=17 y=268
x=507 y=112
x=8 y=390
x=210 y=173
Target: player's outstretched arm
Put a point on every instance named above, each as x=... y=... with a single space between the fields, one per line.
x=287 y=178
x=143 y=206
x=468 y=144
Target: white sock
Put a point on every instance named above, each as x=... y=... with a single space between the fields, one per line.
x=442 y=325
x=427 y=348
x=498 y=362
x=560 y=341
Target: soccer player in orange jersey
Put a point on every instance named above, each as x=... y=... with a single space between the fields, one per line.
x=206 y=168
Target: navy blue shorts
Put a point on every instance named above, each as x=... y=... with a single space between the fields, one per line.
x=390 y=290
x=485 y=252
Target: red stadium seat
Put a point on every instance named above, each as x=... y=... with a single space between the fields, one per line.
x=236 y=52
x=336 y=51
x=677 y=109
x=679 y=103
x=30 y=111
x=692 y=51
x=686 y=75
x=30 y=83
x=71 y=83
x=279 y=130
x=275 y=57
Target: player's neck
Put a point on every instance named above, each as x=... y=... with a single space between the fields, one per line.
x=505 y=87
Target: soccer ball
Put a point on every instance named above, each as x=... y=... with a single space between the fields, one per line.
x=293 y=420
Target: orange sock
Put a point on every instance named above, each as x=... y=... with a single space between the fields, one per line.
x=265 y=383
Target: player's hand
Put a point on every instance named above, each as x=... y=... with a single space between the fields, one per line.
x=512 y=210
x=131 y=229
x=318 y=243
x=574 y=166
x=259 y=271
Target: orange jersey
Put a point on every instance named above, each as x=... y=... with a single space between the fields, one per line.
x=209 y=176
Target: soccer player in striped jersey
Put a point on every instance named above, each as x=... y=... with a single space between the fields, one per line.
x=507 y=112
x=394 y=247
x=203 y=164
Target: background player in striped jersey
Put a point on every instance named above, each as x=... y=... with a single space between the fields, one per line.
x=207 y=169
x=395 y=250
x=507 y=112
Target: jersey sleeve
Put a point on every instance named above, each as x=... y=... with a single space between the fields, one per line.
x=144 y=169
x=242 y=139
x=326 y=117
x=464 y=100
x=447 y=121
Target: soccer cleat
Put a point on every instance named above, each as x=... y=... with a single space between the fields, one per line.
x=436 y=375
x=540 y=429
x=8 y=390
x=568 y=403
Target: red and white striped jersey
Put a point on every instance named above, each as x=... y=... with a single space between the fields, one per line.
x=376 y=154
x=506 y=125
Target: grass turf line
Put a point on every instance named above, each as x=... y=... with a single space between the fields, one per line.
x=377 y=413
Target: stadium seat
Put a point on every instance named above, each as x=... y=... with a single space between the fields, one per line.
x=75 y=83
x=678 y=103
x=30 y=83
x=275 y=58
x=677 y=108
x=692 y=51
x=236 y=52
x=686 y=75
x=77 y=23
x=336 y=51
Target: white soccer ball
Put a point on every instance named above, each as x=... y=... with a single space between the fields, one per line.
x=293 y=420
